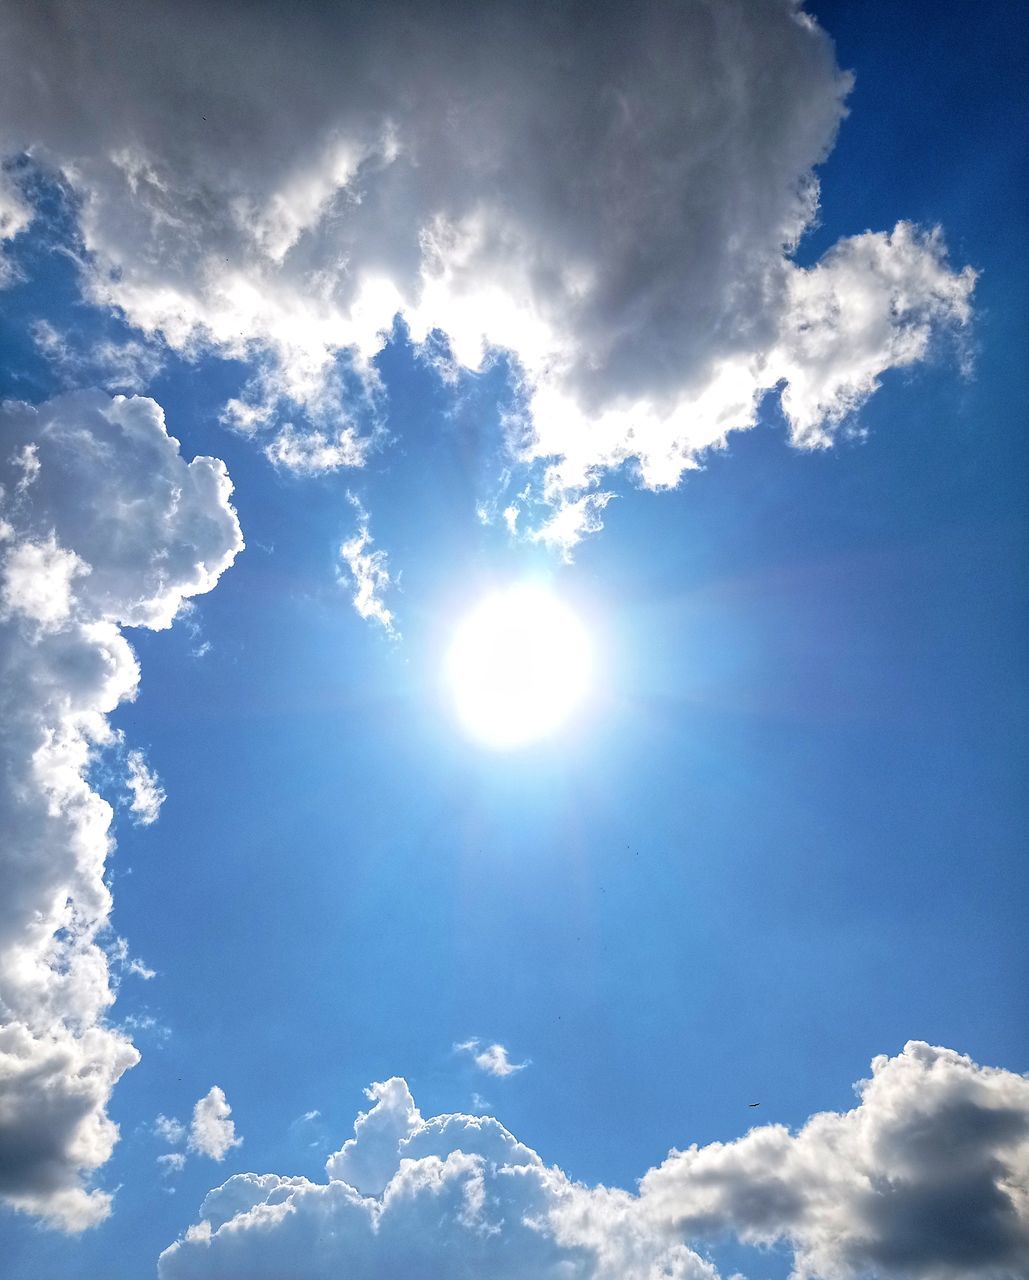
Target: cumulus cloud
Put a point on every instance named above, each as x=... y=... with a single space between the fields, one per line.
x=103 y=525
x=366 y=571
x=492 y=1058
x=612 y=195
x=145 y=787
x=453 y=1196
x=927 y=1178
x=211 y=1132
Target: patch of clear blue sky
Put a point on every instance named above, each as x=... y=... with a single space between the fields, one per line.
x=790 y=836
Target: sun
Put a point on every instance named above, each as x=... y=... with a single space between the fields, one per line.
x=520 y=664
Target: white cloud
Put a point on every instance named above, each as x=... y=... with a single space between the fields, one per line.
x=211 y=1132
x=145 y=1024
x=171 y=1130
x=147 y=793
x=15 y=216
x=171 y=1162
x=130 y=365
x=122 y=963
x=573 y=519
x=873 y=303
x=491 y=1058
x=369 y=1159
x=37 y=581
x=927 y=1178
x=113 y=529
x=616 y=203
x=451 y=1196
x=366 y=571
x=314 y=452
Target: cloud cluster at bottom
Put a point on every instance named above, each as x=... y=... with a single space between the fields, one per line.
x=926 y=1178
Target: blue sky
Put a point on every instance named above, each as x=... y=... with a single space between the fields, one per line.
x=785 y=835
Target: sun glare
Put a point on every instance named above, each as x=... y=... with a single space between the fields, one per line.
x=519 y=665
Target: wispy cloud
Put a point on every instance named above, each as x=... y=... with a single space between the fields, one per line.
x=145 y=787
x=366 y=571
x=170 y=1130
x=171 y=1162
x=494 y=1059
x=128 y=365
x=316 y=452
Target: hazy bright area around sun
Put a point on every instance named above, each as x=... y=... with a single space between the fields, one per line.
x=520 y=664
x=513 y=677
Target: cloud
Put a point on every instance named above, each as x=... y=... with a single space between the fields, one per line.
x=212 y=1133
x=121 y=963
x=147 y=793
x=15 y=216
x=130 y=365
x=927 y=1178
x=368 y=1160
x=171 y=1130
x=367 y=571
x=145 y=1024
x=407 y=1197
x=171 y=1162
x=493 y=1059
x=574 y=519
x=314 y=453
x=615 y=202
x=103 y=525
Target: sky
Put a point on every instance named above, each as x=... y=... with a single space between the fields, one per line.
x=334 y=944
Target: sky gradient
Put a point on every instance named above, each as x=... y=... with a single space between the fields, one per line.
x=766 y=437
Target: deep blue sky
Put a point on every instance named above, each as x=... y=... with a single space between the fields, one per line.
x=788 y=836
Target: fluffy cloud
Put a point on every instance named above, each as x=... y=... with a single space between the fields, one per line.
x=492 y=1058
x=454 y=1196
x=102 y=525
x=927 y=1178
x=613 y=197
x=211 y=1132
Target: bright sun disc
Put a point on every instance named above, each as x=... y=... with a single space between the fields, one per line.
x=519 y=665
